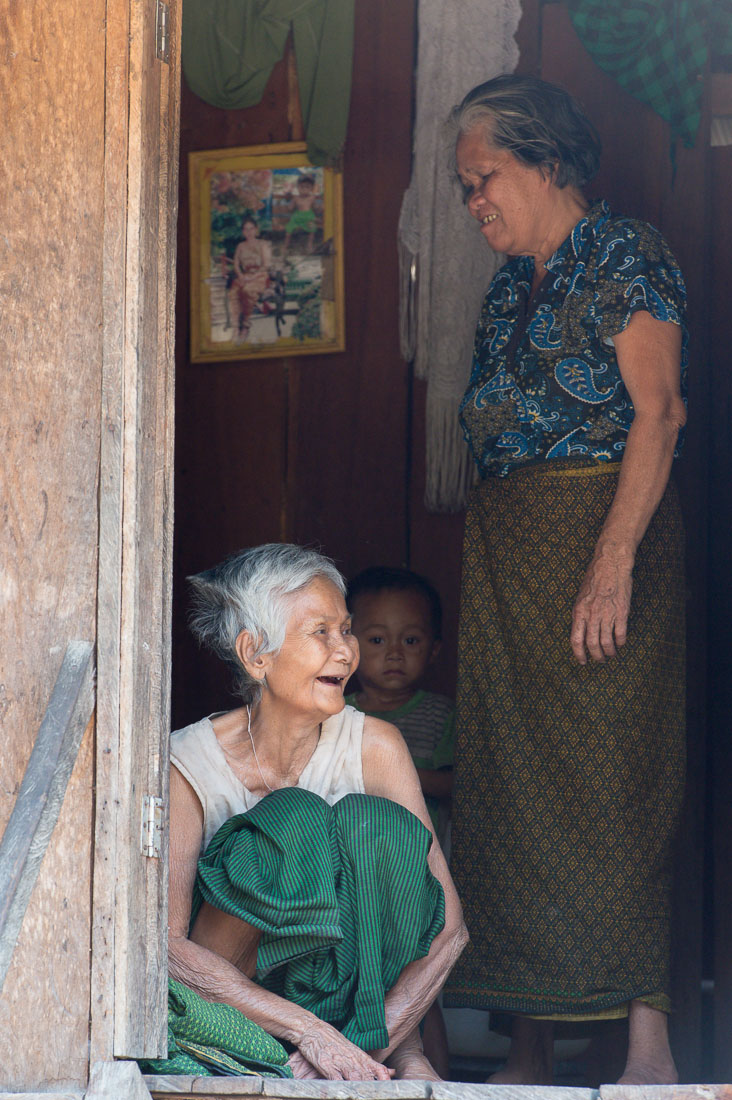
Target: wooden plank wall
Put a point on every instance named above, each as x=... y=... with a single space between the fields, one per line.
x=313 y=449
x=52 y=90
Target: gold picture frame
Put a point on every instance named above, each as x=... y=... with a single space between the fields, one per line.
x=266 y=254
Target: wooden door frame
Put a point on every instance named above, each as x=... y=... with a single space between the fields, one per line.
x=129 y=895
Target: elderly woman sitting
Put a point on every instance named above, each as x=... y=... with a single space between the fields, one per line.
x=324 y=911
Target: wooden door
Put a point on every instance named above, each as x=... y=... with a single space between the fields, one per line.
x=129 y=945
x=86 y=354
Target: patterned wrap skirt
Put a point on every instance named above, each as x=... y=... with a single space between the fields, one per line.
x=568 y=780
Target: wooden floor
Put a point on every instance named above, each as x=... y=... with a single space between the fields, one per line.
x=202 y=1088
x=129 y=1084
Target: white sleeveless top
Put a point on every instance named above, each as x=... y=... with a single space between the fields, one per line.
x=334 y=770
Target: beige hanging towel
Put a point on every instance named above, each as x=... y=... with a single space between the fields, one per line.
x=445 y=264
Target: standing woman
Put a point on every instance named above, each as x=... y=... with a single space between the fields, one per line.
x=570 y=746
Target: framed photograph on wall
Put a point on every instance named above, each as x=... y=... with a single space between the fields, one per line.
x=266 y=254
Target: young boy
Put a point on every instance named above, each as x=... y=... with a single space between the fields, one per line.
x=397 y=619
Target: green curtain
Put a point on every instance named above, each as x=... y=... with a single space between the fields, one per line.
x=658 y=50
x=231 y=46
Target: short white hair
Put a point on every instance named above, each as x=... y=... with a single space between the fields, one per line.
x=249 y=591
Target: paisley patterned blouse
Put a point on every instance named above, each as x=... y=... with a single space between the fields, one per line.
x=545 y=381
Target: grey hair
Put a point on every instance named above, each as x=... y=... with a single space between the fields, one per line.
x=541 y=124
x=249 y=591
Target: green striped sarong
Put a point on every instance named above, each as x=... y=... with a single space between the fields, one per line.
x=342 y=894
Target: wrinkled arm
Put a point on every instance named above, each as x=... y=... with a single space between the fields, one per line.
x=649 y=358
x=389 y=772
x=209 y=962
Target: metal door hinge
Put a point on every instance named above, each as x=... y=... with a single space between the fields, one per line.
x=162 y=31
x=151 y=839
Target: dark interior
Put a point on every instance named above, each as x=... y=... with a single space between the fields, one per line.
x=328 y=449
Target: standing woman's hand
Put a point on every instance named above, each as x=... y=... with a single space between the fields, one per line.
x=600 y=613
x=649 y=358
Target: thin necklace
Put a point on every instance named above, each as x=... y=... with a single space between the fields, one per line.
x=256 y=758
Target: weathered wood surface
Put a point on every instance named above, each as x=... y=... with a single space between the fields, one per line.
x=202 y=1088
x=225 y=1087
x=52 y=91
x=66 y=1095
x=116 y=1081
x=666 y=1092
x=42 y=792
x=458 y=1090
x=116 y=139
x=161 y=1085
x=129 y=1002
x=346 y=1090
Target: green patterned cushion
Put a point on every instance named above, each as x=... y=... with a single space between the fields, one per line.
x=209 y=1039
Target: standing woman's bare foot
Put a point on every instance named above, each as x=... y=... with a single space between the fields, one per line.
x=531 y=1055
x=650 y=1061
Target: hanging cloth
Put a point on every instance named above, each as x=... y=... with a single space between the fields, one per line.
x=445 y=263
x=658 y=50
x=231 y=46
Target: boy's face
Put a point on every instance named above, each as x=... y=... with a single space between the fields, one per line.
x=395 y=638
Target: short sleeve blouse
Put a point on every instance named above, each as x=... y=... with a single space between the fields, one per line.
x=545 y=382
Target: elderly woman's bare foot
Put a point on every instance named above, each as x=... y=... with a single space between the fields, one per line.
x=650 y=1061
x=409 y=1061
x=416 y=1068
x=531 y=1055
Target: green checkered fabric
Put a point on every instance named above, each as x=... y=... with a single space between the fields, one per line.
x=208 y=1040
x=342 y=894
x=658 y=50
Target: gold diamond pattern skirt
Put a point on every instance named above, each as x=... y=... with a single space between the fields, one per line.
x=568 y=779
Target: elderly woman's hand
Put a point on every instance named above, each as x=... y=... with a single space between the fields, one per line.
x=324 y=1052
x=600 y=613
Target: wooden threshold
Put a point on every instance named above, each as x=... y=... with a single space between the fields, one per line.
x=223 y=1088
x=229 y=1088
x=66 y=1095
